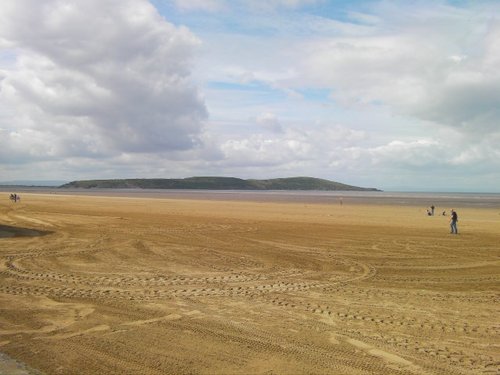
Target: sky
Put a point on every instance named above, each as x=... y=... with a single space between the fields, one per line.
x=397 y=95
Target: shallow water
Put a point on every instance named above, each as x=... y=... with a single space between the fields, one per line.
x=425 y=199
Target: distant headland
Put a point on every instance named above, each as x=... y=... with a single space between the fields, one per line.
x=217 y=183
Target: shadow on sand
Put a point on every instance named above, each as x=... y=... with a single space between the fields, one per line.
x=8 y=231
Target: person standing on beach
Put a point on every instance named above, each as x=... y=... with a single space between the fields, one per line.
x=453 y=222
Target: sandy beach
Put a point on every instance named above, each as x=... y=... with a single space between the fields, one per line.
x=207 y=284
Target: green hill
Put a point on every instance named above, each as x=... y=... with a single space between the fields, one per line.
x=218 y=183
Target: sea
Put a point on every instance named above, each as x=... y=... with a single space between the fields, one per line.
x=425 y=199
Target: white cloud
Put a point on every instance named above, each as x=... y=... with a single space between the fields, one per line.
x=410 y=154
x=316 y=147
x=433 y=75
x=96 y=78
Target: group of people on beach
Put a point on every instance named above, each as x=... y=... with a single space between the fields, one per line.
x=15 y=197
x=453 y=218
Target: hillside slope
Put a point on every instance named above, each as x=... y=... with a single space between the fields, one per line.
x=218 y=183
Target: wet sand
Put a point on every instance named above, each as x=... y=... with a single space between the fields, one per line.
x=443 y=200
x=212 y=284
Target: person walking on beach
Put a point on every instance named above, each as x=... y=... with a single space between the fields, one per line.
x=453 y=222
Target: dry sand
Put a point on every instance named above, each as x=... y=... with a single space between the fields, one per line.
x=116 y=285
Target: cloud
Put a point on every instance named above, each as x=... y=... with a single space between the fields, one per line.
x=418 y=82
x=420 y=153
x=318 y=146
x=428 y=62
x=96 y=78
x=439 y=66
x=362 y=92
x=276 y=4
x=210 y=6
x=270 y=122
x=259 y=6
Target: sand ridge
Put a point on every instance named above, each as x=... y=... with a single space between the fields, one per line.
x=131 y=285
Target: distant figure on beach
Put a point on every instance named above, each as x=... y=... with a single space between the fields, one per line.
x=14 y=197
x=341 y=201
x=453 y=222
x=432 y=210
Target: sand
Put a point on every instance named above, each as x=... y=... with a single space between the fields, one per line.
x=120 y=285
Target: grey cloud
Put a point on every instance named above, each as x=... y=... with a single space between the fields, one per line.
x=99 y=77
x=210 y=6
x=469 y=106
x=270 y=122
